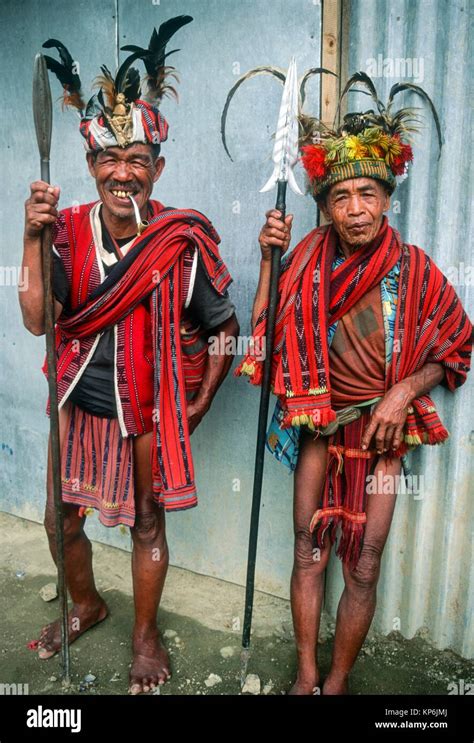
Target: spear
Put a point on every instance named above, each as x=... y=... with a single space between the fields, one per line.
x=285 y=155
x=43 y=117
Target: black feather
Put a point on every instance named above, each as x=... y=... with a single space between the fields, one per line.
x=364 y=79
x=102 y=103
x=59 y=70
x=158 y=41
x=123 y=71
x=93 y=107
x=266 y=70
x=154 y=56
x=309 y=73
x=400 y=87
x=65 y=72
x=64 y=54
x=132 y=85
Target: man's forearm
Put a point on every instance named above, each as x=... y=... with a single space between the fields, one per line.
x=40 y=212
x=424 y=380
x=218 y=364
x=261 y=295
x=31 y=295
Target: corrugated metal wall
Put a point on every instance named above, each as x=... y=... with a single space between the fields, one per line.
x=225 y=39
x=427 y=578
x=427 y=571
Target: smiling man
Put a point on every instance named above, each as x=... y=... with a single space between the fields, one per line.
x=139 y=288
x=366 y=326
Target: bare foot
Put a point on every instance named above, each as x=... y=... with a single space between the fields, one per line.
x=151 y=663
x=336 y=686
x=305 y=686
x=81 y=618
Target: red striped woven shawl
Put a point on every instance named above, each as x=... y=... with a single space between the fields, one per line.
x=431 y=326
x=152 y=267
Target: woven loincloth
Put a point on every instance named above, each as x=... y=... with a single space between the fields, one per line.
x=97 y=466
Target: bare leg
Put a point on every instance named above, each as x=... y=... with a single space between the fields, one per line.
x=88 y=606
x=149 y=566
x=307 y=579
x=357 y=604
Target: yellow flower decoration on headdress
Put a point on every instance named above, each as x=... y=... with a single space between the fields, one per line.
x=355 y=149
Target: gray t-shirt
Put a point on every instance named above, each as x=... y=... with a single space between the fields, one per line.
x=94 y=391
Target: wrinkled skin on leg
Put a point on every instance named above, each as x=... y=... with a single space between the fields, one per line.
x=357 y=604
x=358 y=601
x=307 y=579
x=88 y=606
x=150 y=666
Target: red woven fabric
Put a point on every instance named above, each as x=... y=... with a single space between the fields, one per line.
x=344 y=493
x=431 y=325
x=151 y=268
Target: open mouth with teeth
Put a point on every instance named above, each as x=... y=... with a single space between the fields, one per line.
x=123 y=196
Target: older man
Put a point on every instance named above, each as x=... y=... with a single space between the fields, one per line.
x=366 y=327
x=139 y=288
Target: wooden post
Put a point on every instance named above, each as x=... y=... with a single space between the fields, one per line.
x=334 y=57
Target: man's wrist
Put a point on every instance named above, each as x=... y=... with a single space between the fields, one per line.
x=202 y=402
x=32 y=242
x=408 y=388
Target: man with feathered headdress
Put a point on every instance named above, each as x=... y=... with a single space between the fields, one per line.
x=139 y=288
x=366 y=326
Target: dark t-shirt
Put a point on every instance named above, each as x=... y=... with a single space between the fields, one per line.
x=94 y=391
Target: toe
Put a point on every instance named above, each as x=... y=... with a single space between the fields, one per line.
x=163 y=675
x=45 y=653
x=135 y=687
x=146 y=684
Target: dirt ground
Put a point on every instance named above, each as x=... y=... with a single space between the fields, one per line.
x=200 y=621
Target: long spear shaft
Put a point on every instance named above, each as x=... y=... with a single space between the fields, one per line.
x=43 y=115
x=261 y=434
x=284 y=157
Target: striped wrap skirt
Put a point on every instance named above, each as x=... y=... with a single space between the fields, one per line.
x=97 y=465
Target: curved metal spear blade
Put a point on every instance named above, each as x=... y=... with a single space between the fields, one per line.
x=42 y=107
x=285 y=150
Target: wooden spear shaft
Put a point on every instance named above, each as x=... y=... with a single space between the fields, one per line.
x=43 y=116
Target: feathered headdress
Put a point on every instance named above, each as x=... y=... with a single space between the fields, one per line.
x=372 y=144
x=280 y=75
x=117 y=115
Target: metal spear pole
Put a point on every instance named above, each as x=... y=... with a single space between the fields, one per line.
x=285 y=153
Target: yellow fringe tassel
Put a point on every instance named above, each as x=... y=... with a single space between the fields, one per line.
x=413 y=439
x=303 y=420
x=247 y=368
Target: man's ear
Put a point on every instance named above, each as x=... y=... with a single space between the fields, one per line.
x=322 y=205
x=90 y=163
x=160 y=163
